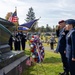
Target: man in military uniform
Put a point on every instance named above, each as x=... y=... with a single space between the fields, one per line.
x=23 y=41
x=70 y=45
x=11 y=42
x=61 y=33
x=17 y=41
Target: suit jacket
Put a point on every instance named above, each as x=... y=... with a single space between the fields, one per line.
x=61 y=47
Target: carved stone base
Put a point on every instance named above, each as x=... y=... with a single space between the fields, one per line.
x=16 y=67
x=9 y=57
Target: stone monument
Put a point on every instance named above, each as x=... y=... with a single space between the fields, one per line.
x=10 y=61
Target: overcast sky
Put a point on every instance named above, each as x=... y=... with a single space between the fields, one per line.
x=50 y=11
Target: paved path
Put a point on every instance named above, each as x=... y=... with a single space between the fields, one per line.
x=46 y=47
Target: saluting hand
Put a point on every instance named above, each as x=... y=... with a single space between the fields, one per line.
x=73 y=59
x=65 y=52
x=55 y=51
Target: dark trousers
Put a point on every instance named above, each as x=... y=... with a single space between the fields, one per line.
x=65 y=62
x=71 y=66
x=11 y=48
x=23 y=45
x=52 y=45
x=17 y=45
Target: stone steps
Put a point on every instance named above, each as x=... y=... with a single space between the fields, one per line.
x=16 y=67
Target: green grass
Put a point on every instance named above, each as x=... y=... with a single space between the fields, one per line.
x=51 y=65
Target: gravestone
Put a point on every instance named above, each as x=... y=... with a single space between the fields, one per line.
x=8 y=57
x=4 y=36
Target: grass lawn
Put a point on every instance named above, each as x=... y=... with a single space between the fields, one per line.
x=50 y=66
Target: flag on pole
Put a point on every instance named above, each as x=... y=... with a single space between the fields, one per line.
x=20 y=69
x=23 y=28
x=29 y=24
x=13 y=17
x=28 y=62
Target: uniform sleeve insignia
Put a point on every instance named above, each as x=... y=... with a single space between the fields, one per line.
x=70 y=33
x=63 y=33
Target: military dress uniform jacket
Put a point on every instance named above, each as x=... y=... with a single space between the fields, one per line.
x=61 y=41
x=70 y=44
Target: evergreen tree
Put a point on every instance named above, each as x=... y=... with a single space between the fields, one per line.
x=30 y=17
x=48 y=28
x=42 y=29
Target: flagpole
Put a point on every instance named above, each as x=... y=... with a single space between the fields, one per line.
x=34 y=22
x=17 y=18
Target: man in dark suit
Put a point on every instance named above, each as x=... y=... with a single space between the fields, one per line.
x=17 y=41
x=23 y=41
x=70 y=45
x=61 y=33
x=11 y=42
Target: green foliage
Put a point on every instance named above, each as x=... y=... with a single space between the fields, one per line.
x=42 y=29
x=48 y=28
x=30 y=15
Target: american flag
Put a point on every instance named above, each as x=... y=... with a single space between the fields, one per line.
x=28 y=62
x=22 y=28
x=20 y=69
x=13 y=17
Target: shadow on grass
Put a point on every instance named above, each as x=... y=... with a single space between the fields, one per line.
x=52 y=60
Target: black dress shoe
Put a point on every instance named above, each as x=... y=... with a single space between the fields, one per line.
x=64 y=73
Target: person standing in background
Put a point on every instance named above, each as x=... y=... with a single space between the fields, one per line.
x=11 y=39
x=17 y=41
x=52 y=41
x=23 y=41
